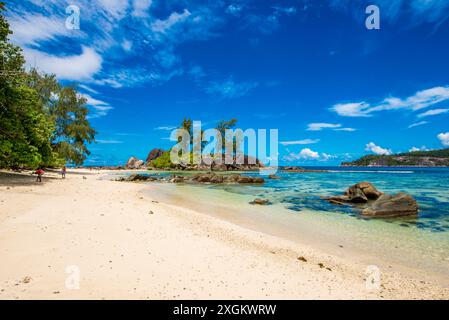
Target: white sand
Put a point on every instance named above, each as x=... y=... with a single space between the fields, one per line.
x=106 y=231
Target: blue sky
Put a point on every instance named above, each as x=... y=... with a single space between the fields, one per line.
x=333 y=88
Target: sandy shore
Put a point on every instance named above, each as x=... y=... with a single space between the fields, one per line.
x=122 y=243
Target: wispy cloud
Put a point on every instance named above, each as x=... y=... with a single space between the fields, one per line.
x=321 y=126
x=300 y=142
x=140 y=7
x=162 y=26
x=99 y=107
x=417 y=124
x=433 y=112
x=420 y=100
x=31 y=30
x=267 y=23
x=165 y=128
x=410 y=13
x=333 y=126
x=230 y=89
x=108 y=141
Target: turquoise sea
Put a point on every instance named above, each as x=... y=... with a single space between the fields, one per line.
x=298 y=213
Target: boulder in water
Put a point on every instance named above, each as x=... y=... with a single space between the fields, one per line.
x=397 y=205
x=374 y=203
x=259 y=201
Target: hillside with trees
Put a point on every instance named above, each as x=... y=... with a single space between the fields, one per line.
x=432 y=158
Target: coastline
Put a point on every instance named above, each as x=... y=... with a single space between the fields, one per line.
x=124 y=251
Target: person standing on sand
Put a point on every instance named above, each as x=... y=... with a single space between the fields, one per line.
x=63 y=171
x=39 y=173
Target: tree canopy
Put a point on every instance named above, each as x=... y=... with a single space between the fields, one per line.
x=42 y=123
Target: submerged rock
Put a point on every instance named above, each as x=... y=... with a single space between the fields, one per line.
x=397 y=205
x=138 y=177
x=259 y=201
x=210 y=177
x=374 y=203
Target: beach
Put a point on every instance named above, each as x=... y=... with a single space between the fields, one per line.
x=120 y=240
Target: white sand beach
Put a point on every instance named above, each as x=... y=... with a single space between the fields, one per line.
x=127 y=244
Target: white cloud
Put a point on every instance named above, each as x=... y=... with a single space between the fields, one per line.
x=30 y=29
x=345 y=129
x=353 y=109
x=300 y=142
x=166 y=128
x=140 y=7
x=415 y=149
x=308 y=154
x=444 y=138
x=304 y=154
x=321 y=126
x=163 y=26
x=116 y=8
x=433 y=112
x=75 y=67
x=417 y=124
x=108 y=141
x=372 y=147
x=420 y=100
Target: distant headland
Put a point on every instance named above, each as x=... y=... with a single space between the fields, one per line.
x=432 y=158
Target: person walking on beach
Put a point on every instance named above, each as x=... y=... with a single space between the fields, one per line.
x=63 y=172
x=39 y=173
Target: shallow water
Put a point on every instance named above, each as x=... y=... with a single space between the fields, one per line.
x=298 y=213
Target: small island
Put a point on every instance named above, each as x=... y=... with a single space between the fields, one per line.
x=432 y=158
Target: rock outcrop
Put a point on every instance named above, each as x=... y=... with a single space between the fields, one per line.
x=202 y=178
x=387 y=206
x=137 y=178
x=373 y=203
x=153 y=155
x=134 y=163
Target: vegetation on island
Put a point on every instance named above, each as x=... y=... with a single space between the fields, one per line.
x=42 y=122
x=430 y=158
x=164 y=162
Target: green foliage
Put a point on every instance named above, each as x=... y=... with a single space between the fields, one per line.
x=41 y=122
x=442 y=153
x=403 y=159
x=163 y=162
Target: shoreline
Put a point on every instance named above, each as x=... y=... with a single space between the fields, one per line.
x=124 y=251
x=312 y=229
